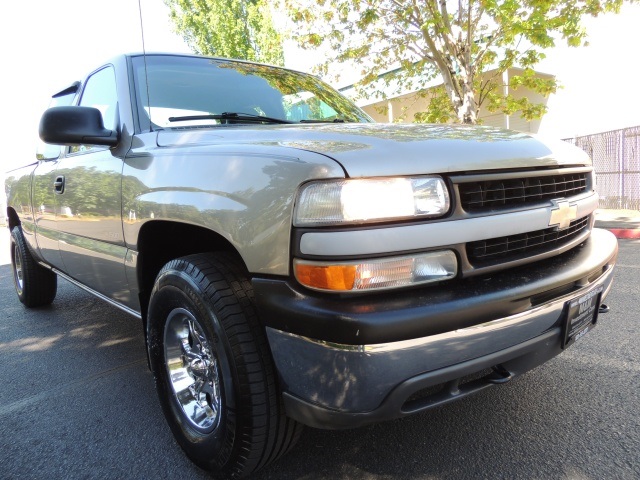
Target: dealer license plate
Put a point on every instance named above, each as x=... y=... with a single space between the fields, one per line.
x=582 y=314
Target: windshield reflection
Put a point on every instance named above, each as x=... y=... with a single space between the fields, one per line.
x=208 y=89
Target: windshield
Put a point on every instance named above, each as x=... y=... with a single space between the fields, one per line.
x=219 y=92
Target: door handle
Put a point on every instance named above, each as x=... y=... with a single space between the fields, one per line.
x=58 y=185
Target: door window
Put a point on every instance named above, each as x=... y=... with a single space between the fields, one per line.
x=100 y=92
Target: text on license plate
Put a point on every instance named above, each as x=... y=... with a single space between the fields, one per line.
x=582 y=314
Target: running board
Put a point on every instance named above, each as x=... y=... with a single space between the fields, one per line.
x=110 y=301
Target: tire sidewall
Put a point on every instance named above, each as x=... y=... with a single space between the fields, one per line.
x=18 y=247
x=39 y=285
x=176 y=289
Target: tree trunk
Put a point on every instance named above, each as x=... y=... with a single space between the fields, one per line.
x=462 y=99
x=467 y=110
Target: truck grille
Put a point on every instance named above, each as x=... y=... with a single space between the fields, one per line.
x=516 y=247
x=515 y=192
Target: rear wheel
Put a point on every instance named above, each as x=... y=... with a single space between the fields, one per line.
x=213 y=369
x=35 y=285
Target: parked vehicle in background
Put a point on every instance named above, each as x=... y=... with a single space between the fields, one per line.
x=293 y=263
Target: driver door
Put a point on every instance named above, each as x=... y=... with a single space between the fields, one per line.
x=89 y=220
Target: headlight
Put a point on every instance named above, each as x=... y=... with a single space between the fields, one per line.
x=377 y=274
x=352 y=201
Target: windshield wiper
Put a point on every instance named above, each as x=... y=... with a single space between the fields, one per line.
x=243 y=117
x=335 y=120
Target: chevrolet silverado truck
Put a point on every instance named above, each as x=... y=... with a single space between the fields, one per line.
x=293 y=263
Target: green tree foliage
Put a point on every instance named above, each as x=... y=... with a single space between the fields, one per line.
x=413 y=41
x=241 y=29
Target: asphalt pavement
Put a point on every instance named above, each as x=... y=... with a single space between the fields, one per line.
x=77 y=401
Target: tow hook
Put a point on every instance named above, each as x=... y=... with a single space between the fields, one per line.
x=604 y=308
x=499 y=375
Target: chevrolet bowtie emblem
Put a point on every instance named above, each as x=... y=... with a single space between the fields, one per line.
x=563 y=214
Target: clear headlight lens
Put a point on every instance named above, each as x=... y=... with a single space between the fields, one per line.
x=377 y=274
x=352 y=201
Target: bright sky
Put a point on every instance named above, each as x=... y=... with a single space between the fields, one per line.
x=48 y=44
x=600 y=81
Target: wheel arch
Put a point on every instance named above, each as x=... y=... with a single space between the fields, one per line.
x=161 y=241
x=12 y=218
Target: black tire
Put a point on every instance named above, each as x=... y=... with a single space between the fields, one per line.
x=35 y=285
x=202 y=317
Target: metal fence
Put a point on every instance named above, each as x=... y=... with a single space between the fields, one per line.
x=616 y=160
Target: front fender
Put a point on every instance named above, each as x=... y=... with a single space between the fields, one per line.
x=245 y=194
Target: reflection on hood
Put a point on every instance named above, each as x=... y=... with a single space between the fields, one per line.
x=394 y=149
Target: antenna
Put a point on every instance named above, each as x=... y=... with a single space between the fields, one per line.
x=144 y=56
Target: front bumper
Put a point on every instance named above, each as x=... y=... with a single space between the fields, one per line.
x=498 y=328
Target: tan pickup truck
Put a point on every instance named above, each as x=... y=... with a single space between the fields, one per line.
x=291 y=261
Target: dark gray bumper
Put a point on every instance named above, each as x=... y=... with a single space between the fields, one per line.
x=334 y=385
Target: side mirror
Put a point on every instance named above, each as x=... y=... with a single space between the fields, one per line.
x=75 y=126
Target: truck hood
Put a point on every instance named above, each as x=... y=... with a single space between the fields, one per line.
x=369 y=150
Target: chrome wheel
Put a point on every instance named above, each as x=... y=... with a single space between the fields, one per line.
x=192 y=368
x=35 y=285
x=216 y=381
x=17 y=269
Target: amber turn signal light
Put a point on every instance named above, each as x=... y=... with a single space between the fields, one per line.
x=376 y=274
x=326 y=277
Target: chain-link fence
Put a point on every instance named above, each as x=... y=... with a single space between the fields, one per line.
x=616 y=159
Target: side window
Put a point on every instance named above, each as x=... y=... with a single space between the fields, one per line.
x=100 y=92
x=45 y=151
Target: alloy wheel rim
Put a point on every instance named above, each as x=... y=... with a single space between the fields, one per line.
x=192 y=368
x=17 y=269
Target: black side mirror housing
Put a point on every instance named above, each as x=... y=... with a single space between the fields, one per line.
x=75 y=126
